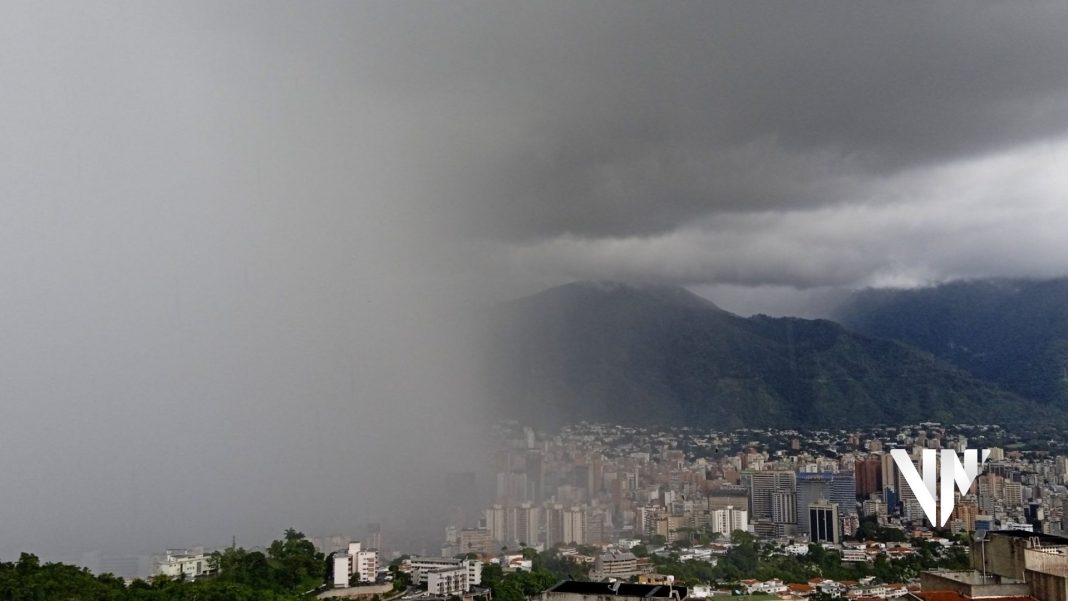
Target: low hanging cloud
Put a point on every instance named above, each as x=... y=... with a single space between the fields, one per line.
x=999 y=215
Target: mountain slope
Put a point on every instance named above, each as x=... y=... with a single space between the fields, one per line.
x=622 y=353
x=1012 y=332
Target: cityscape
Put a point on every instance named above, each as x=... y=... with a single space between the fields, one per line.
x=825 y=514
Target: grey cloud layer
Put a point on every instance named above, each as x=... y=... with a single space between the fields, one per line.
x=719 y=142
x=1001 y=215
x=669 y=112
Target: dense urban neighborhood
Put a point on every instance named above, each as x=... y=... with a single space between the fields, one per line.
x=649 y=512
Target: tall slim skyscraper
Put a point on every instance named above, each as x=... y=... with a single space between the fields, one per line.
x=783 y=507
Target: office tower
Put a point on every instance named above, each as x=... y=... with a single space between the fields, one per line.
x=844 y=492
x=762 y=484
x=823 y=520
x=496 y=518
x=783 y=507
x=869 y=476
x=810 y=489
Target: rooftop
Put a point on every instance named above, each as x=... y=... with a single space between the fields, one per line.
x=621 y=589
x=1045 y=539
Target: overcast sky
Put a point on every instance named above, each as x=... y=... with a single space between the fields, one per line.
x=236 y=236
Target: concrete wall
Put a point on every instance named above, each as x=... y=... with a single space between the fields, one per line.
x=1004 y=556
x=1048 y=587
x=971 y=585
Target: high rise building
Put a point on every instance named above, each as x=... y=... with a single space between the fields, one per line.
x=726 y=521
x=965 y=510
x=869 y=474
x=523 y=524
x=844 y=492
x=496 y=517
x=574 y=525
x=823 y=521
x=1013 y=494
x=553 y=518
x=783 y=507
x=761 y=485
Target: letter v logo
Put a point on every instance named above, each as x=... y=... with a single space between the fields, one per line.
x=953 y=474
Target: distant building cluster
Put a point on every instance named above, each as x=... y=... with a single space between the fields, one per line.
x=595 y=484
x=611 y=499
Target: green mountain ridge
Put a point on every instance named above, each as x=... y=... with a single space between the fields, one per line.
x=614 y=352
x=1011 y=332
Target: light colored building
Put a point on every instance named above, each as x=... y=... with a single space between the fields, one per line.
x=188 y=563
x=447 y=581
x=424 y=568
x=342 y=563
x=1013 y=494
x=621 y=565
x=366 y=565
x=726 y=521
x=355 y=563
x=496 y=518
x=524 y=523
x=574 y=525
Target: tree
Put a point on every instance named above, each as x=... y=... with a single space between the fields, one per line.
x=295 y=562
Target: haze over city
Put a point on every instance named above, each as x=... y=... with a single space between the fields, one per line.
x=247 y=247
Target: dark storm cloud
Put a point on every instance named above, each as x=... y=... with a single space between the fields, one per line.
x=653 y=115
x=605 y=119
